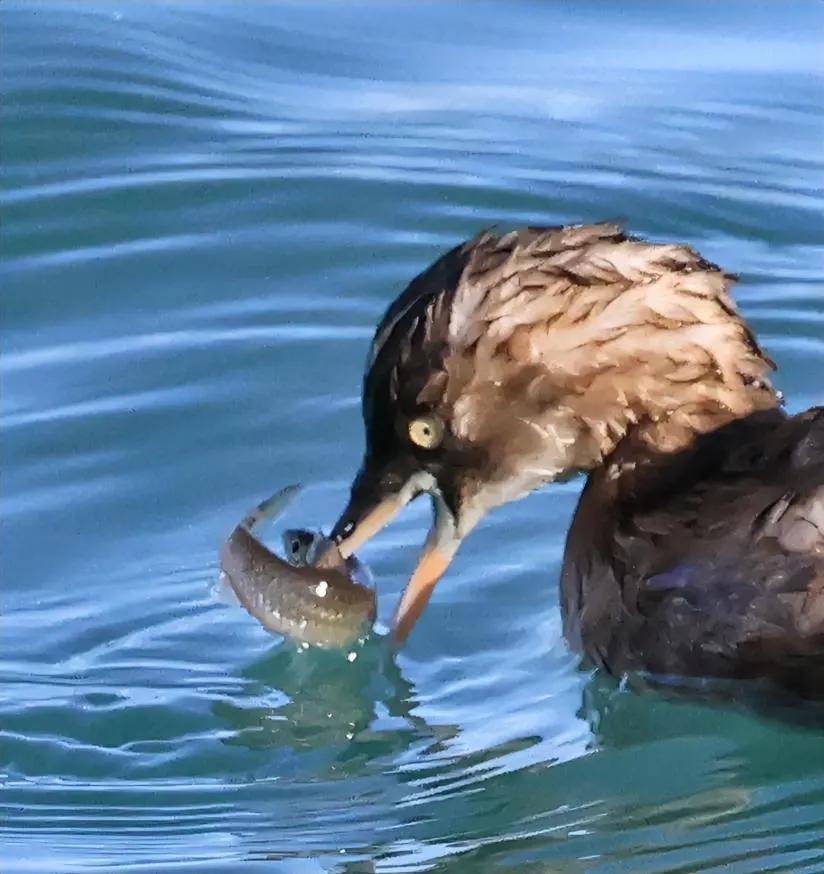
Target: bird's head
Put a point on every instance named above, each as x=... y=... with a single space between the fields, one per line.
x=518 y=360
x=438 y=423
x=412 y=446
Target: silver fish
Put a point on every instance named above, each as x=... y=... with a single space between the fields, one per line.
x=309 y=598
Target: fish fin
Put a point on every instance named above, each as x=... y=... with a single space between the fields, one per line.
x=273 y=506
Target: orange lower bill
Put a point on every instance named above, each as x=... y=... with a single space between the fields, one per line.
x=431 y=567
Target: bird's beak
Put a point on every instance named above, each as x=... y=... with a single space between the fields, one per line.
x=363 y=518
x=359 y=523
x=441 y=545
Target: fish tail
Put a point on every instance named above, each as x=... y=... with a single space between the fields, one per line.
x=270 y=508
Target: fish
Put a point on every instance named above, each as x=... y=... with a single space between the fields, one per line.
x=310 y=597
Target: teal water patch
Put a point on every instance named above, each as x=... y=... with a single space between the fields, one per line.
x=206 y=208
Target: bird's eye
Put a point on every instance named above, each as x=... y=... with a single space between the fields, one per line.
x=426 y=431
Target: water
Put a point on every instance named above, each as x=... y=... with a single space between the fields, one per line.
x=206 y=208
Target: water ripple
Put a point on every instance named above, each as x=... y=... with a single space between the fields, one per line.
x=206 y=207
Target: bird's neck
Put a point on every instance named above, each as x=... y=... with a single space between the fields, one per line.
x=545 y=428
x=661 y=416
x=635 y=469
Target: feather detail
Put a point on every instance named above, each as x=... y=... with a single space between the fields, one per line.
x=615 y=330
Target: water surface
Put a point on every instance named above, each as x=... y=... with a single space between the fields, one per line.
x=206 y=208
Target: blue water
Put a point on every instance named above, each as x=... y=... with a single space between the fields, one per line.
x=206 y=207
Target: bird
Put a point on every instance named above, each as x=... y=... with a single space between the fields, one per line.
x=528 y=357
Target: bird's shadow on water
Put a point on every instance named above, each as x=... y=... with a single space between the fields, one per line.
x=607 y=703
x=753 y=721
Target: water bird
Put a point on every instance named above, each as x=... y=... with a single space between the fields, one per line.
x=524 y=358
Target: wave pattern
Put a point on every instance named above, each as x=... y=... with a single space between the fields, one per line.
x=206 y=207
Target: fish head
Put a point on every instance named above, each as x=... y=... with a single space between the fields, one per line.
x=299 y=546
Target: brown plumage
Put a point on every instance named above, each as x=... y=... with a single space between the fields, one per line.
x=516 y=360
x=706 y=562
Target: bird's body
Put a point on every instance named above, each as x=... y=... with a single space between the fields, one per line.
x=517 y=360
x=708 y=562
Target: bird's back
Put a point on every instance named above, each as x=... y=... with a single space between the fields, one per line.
x=709 y=562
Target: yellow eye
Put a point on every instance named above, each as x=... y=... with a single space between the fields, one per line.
x=426 y=431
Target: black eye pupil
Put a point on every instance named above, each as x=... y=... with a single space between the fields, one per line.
x=295 y=545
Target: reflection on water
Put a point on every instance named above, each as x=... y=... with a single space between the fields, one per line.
x=206 y=208
x=318 y=704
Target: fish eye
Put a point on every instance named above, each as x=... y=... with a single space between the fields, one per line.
x=426 y=431
x=295 y=545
